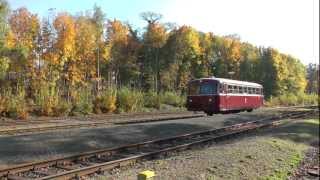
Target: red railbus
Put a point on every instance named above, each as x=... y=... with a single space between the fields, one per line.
x=218 y=95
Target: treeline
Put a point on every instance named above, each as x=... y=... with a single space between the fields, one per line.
x=65 y=53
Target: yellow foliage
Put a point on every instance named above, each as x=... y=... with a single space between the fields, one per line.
x=25 y=27
x=10 y=41
x=65 y=26
x=156 y=35
x=86 y=46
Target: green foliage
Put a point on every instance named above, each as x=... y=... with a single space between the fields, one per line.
x=14 y=105
x=46 y=99
x=152 y=100
x=129 y=100
x=105 y=102
x=62 y=108
x=4 y=66
x=82 y=102
x=291 y=99
x=173 y=99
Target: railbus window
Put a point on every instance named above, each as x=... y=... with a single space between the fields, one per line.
x=221 y=88
x=240 y=89
x=236 y=90
x=259 y=90
x=230 y=89
x=245 y=89
x=208 y=88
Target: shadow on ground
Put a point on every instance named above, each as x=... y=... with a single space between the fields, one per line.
x=302 y=130
x=33 y=147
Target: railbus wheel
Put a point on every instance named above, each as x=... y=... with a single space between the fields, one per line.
x=209 y=113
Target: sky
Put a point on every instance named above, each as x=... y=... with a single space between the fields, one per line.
x=291 y=26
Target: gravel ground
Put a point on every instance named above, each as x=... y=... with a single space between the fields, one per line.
x=309 y=163
x=33 y=147
x=267 y=155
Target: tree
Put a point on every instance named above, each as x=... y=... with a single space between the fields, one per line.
x=183 y=53
x=249 y=64
x=25 y=29
x=153 y=40
x=121 y=50
x=65 y=50
x=4 y=11
x=98 y=20
x=312 y=78
x=85 y=41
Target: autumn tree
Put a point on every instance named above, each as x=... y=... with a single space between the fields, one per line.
x=65 y=51
x=85 y=41
x=248 y=69
x=4 y=11
x=228 y=54
x=25 y=28
x=154 y=39
x=98 y=20
x=121 y=50
x=312 y=78
x=185 y=50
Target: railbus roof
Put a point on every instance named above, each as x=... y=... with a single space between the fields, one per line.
x=231 y=81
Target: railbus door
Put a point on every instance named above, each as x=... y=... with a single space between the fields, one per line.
x=222 y=96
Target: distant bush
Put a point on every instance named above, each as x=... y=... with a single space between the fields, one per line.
x=129 y=100
x=14 y=105
x=82 y=102
x=292 y=99
x=62 y=108
x=173 y=99
x=3 y=104
x=46 y=99
x=105 y=102
x=152 y=100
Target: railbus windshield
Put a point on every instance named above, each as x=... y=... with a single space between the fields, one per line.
x=202 y=88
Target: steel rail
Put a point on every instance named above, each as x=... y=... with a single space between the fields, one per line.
x=93 y=124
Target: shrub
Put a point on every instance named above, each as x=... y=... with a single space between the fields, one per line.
x=82 y=102
x=46 y=99
x=152 y=100
x=129 y=100
x=105 y=102
x=3 y=103
x=292 y=99
x=15 y=105
x=172 y=98
x=62 y=108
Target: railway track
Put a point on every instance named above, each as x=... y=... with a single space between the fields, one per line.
x=125 y=120
x=77 y=166
x=121 y=119
x=6 y=122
